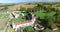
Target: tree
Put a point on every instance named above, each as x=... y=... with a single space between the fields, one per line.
x=53 y=9
x=39 y=6
x=46 y=30
x=29 y=9
x=57 y=16
x=49 y=20
x=5 y=8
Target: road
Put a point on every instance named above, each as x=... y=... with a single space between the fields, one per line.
x=7 y=26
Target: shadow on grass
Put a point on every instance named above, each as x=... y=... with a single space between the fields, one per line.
x=42 y=22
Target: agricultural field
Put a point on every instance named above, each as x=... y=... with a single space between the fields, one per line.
x=56 y=6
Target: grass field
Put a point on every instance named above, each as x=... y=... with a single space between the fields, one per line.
x=51 y=13
x=4 y=15
x=42 y=14
x=1 y=29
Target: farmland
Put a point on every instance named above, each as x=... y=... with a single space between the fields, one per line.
x=50 y=13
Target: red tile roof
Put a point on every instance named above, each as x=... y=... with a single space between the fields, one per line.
x=23 y=22
x=54 y=26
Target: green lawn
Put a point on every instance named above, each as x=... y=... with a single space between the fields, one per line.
x=42 y=14
x=20 y=18
x=18 y=12
x=51 y=13
x=1 y=28
x=4 y=15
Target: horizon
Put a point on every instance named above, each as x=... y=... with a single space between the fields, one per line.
x=19 y=1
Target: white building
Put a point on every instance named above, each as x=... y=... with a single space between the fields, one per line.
x=14 y=15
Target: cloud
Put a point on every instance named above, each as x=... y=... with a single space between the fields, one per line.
x=34 y=0
x=50 y=0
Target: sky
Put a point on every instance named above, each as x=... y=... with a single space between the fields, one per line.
x=18 y=1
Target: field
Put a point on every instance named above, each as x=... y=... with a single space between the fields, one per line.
x=42 y=14
x=56 y=6
x=3 y=15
